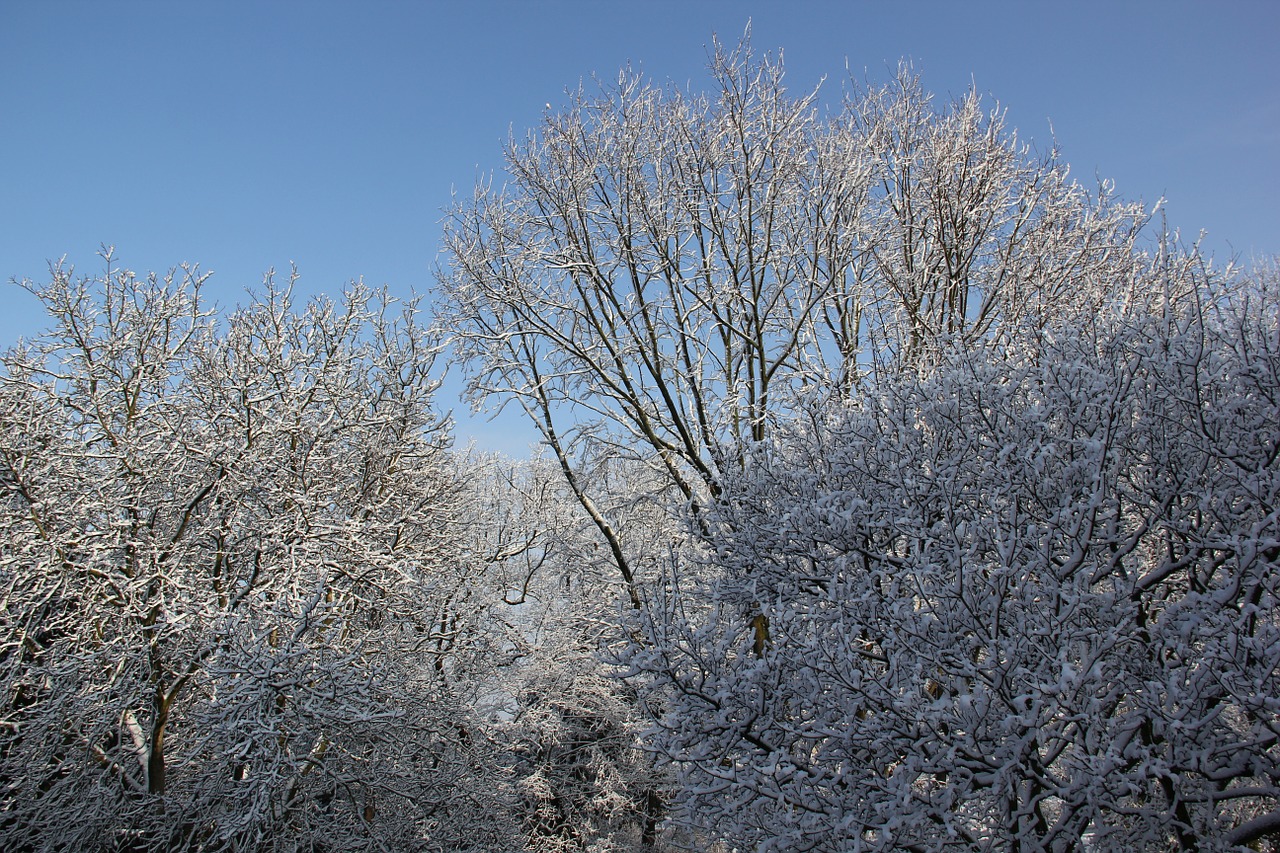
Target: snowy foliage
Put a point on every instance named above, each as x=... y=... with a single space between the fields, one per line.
x=919 y=502
x=984 y=490
x=1022 y=601
x=570 y=733
x=227 y=566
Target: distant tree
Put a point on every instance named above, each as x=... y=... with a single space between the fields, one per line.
x=1025 y=600
x=230 y=578
x=571 y=733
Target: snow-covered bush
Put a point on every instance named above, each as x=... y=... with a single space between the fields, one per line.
x=1023 y=599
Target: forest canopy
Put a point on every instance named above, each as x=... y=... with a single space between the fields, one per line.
x=898 y=492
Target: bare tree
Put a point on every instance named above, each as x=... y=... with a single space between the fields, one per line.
x=970 y=234
x=666 y=277
x=665 y=272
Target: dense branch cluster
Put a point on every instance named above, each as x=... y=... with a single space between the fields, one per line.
x=664 y=273
x=1025 y=602
x=227 y=584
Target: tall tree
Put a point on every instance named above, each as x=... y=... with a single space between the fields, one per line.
x=664 y=272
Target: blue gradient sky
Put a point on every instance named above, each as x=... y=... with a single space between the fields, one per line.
x=248 y=135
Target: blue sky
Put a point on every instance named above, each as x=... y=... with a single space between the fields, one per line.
x=245 y=136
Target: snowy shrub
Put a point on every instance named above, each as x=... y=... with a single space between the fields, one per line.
x=1021 y=600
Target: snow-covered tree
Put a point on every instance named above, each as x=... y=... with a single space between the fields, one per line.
x=666 y=279
x=1024 y=600
x=230 y=570
x=663 y=273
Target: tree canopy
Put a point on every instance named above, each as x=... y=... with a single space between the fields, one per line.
x=665 y=273
x=899 y=493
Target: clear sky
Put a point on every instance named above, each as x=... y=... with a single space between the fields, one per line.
x=246 y=135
